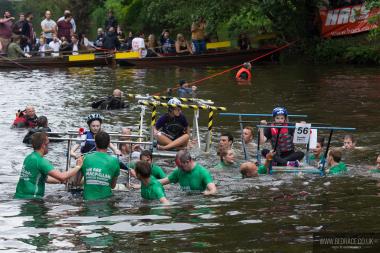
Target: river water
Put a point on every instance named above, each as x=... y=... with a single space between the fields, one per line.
x=271 y=213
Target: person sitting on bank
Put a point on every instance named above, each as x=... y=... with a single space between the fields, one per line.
x=100 y=170
x=138 y=45
x=184 y=90
x=14 y=50
x=42 y=126
x=190 y=175
x=244 y=74
x=26 y=118
x=110 y=103
x=182 y=46
x=87 y=143
x=151 y=188
x=172 y=130
x=281 y=139
x=335 y=166
x=36 y=170
x=147 y=156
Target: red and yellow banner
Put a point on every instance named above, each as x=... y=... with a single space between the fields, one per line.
x=347 y=20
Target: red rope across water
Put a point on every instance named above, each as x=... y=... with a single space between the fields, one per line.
x=238 y=66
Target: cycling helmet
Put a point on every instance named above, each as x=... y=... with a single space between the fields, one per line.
x=174 y=101
x=94 y=116
x=280 y=111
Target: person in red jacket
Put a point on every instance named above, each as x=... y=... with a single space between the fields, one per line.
x=26 y=118
x=244 y=74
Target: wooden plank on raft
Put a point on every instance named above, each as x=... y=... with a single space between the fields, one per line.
x=82 y=57
x=127 y=55
x=220 y=44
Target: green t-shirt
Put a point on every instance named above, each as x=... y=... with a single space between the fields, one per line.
x=153 y=190
x=33 y=176
x=195 y=180
x=98 y=170
x=262 y=169
x=374 y=171
x=313 y=158
x=339 y=168
x=222 y=165
x=157 y=171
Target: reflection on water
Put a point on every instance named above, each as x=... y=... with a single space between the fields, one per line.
x=276 y=213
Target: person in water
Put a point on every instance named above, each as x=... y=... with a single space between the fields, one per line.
x=335 y=166
x=244 y=74
x=110 y=103
x=250 y=169
x=172 y=130
x=26 y=118
x=151 y=188
x=226 y=140
x=190 y=175
x=87 y=144
x=377 y=169
x=100 y=170
x=36 y=170
x=317 y=154
x=281 y=139
x=249 y=143
x=42 y=126
x=184 y=90
x=147 y=156
x=349 y=142
x=227 y=159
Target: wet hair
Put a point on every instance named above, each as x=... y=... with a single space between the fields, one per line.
x=248 y=169
x=143 y=168
x=38 y=139
x=350 y=136
x=229 y=135
x=102 y=140
x=146 y=153
x=42 y=121
x=250 y=129
x=183 y=156
x=223 y=152
x=321 y=140
x=336 y=154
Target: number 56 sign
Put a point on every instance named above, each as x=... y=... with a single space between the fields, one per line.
x=302 y=133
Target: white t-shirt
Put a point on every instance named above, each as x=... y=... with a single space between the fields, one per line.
x=48 y=24
x=137 y=44
x=55 y=45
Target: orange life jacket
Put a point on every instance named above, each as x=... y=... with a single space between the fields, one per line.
x=241 y=71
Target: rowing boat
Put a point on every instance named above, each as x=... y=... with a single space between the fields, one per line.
x=220 y=57
x=63 y=61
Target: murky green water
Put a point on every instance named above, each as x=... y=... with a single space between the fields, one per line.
x=261 y=214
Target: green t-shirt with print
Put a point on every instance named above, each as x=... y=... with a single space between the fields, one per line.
x=157 y=171
x=195 y=180
x=153 y=190
x=337 y=169
x=222 y=165
x=33 y=176
x=98 y=170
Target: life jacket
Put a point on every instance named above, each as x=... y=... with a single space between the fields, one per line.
x=240 y=72
x=285 y=140
x=173 y=128
x=89 y=144
x=31 y=122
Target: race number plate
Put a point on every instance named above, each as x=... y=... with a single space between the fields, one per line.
x=302 y=133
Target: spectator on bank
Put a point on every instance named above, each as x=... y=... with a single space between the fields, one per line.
x=167 y=44
x=110 y=21
x=5 y=31
x=72 y=21
x=48 y=27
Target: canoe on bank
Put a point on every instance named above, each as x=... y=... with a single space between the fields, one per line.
x=225 y=57
x=84 y=60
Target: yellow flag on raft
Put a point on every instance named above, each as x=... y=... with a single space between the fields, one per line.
x=127 y=55
x=82 y=57
x=218 y=44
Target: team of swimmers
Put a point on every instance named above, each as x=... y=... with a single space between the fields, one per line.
x=100 y=170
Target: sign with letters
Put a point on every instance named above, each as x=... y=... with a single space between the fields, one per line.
x=302 y=133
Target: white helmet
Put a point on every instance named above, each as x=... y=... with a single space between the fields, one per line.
x=174 y=101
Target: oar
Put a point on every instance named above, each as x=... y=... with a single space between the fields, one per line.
x=16 y=63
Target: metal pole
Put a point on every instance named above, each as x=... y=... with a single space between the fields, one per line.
x=68 y=160
x=242 y=139
x=196 y=116
x=153 y=122
x=209 y=134
x=258 y=155
x=142 y=113
x=326 y=152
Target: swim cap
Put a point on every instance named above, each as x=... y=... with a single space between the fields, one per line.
x=94 y=116
x=279 y=111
